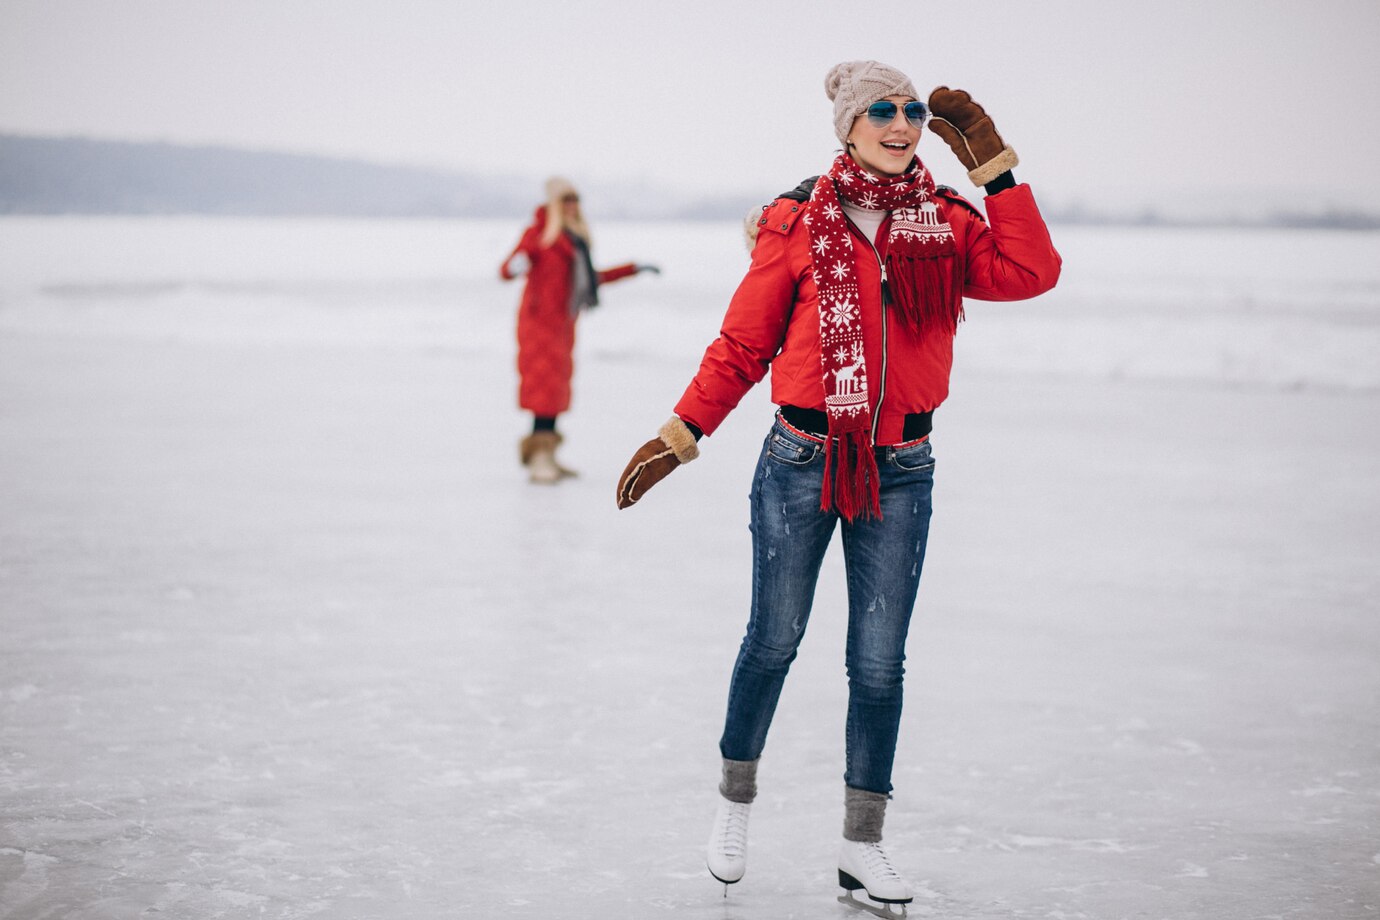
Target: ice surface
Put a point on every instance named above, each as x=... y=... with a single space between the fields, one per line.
x=284 y=632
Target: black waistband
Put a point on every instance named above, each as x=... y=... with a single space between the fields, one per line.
x=815 y=422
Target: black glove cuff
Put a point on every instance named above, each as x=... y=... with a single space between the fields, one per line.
x=1001 y=183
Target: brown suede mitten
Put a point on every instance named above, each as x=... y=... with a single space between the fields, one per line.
x=969 y=132
x=654 y=461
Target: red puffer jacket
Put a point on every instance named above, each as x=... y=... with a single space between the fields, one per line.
x=773 y=318
x=546 y=322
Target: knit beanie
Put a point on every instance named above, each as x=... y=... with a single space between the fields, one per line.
x=557 y=187
x=854 y=85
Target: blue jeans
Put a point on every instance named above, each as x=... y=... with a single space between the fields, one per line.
x=882 y=559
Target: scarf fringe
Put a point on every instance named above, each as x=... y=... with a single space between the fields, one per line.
x=927 y=292
x=851 y=477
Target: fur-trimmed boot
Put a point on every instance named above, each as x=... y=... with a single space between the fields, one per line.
x=538 y=453
x=863 y=861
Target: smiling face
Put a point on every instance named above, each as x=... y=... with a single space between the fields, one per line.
x=887 y=150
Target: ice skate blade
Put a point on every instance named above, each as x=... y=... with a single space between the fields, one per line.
x=724 y=881
x=849 y=884
x=876 y=910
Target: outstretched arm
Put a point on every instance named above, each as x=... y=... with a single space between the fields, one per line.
x=520 y=259
x=627 y=270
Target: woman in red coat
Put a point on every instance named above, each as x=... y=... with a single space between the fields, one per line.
x=852 y=300
x=561 y=281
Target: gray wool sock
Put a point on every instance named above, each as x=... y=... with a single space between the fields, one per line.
x=740 y=781
x=863 y=814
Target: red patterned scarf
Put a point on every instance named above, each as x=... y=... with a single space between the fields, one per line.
x=918 y=278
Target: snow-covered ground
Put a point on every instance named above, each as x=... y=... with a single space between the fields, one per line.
x=285 y=633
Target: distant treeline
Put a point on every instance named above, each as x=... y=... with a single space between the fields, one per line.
x=1327 y=219
x=73 y=175
x=80 y=176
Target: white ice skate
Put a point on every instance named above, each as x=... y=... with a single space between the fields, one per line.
x=727 y=853
x=866 y=867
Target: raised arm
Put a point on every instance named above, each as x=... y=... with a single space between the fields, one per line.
x=1013 y=258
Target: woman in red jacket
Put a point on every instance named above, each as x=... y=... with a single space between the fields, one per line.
x=561 y=281
x=852 y=300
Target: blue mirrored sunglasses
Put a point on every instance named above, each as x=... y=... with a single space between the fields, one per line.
x=882 y=113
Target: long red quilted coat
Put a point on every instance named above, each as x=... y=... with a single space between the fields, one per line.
x=546 y=321
x=773 y=318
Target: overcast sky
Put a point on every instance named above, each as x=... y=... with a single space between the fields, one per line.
x=1104 y=101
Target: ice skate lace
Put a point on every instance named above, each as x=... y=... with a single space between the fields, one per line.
x=732 y=837
x=878 y=863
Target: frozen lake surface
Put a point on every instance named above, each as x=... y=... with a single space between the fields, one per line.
x=285 y=633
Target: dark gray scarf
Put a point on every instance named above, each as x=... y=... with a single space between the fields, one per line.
x=584 y=288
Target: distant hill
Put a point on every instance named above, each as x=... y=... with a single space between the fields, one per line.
x=53 y=175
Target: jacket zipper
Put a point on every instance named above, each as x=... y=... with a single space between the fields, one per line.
x=886 y=301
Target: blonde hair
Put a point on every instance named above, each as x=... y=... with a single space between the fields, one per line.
x=558 y=188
